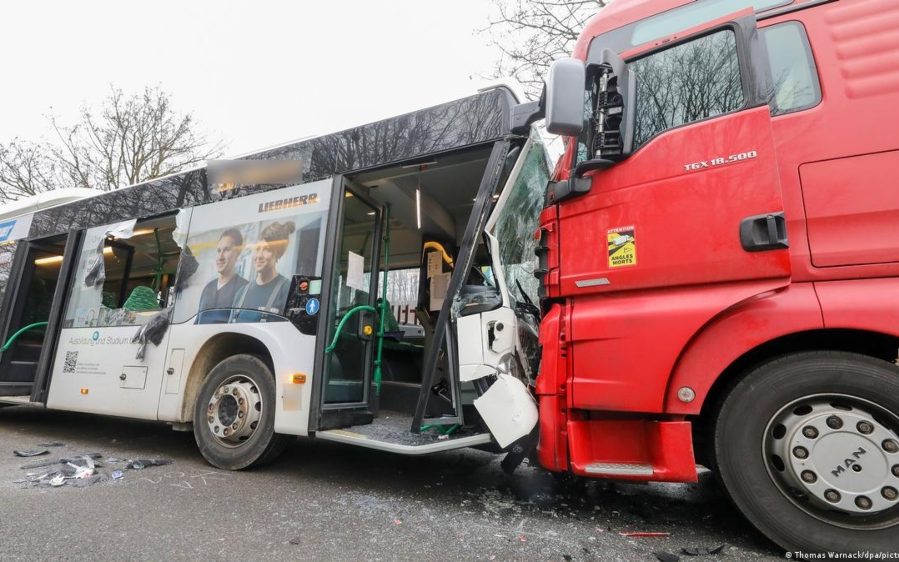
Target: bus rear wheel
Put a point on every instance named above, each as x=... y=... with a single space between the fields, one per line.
x=807 y=446
x=234 y=416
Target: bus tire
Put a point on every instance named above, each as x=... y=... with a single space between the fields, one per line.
x=234 y=416
x=806 y=446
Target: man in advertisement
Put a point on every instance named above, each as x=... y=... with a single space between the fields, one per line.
x=220 y=292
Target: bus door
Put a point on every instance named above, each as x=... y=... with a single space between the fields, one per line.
x=346 y=351
x=36 y=291
x=113 y=336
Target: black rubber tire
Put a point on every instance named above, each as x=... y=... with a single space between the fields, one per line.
x=738 y=445
x=264 y=445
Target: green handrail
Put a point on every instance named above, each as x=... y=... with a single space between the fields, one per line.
x=383 y=305
x=343 y=320
x=17 y=334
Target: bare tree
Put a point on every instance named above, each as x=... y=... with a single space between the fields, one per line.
x=128 y=139
x=25 y=169
x=531 y=34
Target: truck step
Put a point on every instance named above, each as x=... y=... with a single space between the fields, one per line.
x=618 y=469
x=638 y=450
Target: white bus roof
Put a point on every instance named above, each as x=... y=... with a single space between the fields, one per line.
x=44 y=200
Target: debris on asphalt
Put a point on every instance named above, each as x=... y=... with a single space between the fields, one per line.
x=702 y=551
x=85 y=482
x=35 y=453
x=140 y=464
x=79 y=457
x=80 y=471
x=40 y=464
x=667 y=557
x=53 y=444
x=643 y=534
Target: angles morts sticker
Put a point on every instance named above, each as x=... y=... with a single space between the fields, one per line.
x=622 y=246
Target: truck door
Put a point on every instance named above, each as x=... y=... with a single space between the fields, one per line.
x=349 y=296
x=691 y=223
x=699 y=200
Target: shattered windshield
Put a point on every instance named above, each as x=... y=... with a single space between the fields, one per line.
x=519 y=219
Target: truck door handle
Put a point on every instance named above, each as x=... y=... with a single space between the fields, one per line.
x=760 y=233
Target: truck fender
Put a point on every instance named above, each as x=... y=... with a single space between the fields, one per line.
x=734 y=332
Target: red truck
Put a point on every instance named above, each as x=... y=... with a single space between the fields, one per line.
x=719 y=259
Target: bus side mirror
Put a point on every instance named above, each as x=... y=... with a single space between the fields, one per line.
x=565 y=97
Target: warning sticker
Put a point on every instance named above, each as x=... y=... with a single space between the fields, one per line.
x=622 y=246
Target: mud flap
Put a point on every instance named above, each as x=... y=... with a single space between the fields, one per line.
x=520 y=450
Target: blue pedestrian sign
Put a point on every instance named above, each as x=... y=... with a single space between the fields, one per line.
x=312 y=307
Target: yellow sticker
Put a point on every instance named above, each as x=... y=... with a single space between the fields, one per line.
x=622 y=246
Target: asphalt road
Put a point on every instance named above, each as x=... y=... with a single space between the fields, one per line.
x=326 y=501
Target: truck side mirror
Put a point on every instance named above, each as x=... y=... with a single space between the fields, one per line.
x=613 y=90
x=565 y=97
x=615 y=107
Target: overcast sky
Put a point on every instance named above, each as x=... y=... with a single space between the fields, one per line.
x=254 y=73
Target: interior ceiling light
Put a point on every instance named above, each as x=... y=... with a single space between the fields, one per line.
x=418 y=197
x=420 y=165
x=57 y=259
x=418 y=206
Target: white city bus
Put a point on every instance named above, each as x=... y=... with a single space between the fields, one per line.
x=247 y=300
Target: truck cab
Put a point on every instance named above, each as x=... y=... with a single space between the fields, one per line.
x=719 y=269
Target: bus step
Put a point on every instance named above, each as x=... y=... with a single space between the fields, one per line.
x=19 y=400
x=15 y=388
x=28 y=350
x=21 y=371
x=360 y=440
x=391 y=432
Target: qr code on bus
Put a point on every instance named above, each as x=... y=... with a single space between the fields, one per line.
x=71 y=361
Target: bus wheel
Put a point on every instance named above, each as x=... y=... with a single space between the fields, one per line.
x=234 y=417
x=807 y=446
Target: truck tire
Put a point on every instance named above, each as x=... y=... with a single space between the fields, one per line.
x=807 y=446
x=234 y=416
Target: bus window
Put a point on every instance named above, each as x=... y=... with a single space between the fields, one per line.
x=123 y=274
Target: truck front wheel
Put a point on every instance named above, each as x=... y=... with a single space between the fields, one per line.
x=807 y=446
x=234 y=416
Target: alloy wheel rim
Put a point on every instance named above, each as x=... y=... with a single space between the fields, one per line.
x=836 y=457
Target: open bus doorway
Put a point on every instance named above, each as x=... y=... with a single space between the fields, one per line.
x=34 y=282
x=421 y=222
